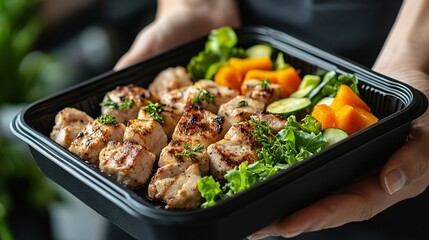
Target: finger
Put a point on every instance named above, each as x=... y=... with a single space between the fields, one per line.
x=409 y=166
x=357 y=202
x=140 y=49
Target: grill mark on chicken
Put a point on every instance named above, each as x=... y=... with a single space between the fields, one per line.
x=175 y=181
x=128 y=163
x=170 y=114
x=170 y=79
x=69 y=123
x=94 y=138
x=148 y=133
x=134 y=93
x=266 y=95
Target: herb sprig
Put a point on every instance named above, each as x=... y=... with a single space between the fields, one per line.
x=125 y=103
x=242 y=103
x=107 y=120
x=265 y=83
x=204 y=95
x=154 y=110
x=188 y=152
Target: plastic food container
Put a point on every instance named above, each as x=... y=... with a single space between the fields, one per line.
x=393 y=102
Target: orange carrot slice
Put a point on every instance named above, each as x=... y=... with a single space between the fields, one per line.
x=228 y=76
x=246 y=64
x=324 y=114
x=346 y=96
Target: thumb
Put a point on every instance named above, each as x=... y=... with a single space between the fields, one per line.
x=142 y=48
x=408 y=168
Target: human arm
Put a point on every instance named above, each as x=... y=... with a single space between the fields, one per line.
x=177 y=22
x=405 y=56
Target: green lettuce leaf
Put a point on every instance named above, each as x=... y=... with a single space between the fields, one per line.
x=210 y=190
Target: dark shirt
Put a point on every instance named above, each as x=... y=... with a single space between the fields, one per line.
x=355 y=29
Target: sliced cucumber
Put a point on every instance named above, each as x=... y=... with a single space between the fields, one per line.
x=308 y=83
x=280 y=63
x=334 y=135
x=317 y=94
x=326 y=100
x=259 y=50
x=290 y=106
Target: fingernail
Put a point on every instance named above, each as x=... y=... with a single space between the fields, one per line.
x=258 y=236
x=394 y=180
x=292 y=234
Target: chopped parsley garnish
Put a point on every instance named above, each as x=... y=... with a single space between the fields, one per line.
x=264 y=83
x=188 y=152
x=154 y=110
x=242 y=103
x=107 y=120
x=125 y=103
x=204 y=95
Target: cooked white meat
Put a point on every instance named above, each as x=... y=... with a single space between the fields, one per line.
x=275 y=122
x=170 y=116
x=222 y=94
x=93 y=138
x=238 y=146
x=180 y=98
x=124 y=102
x=177 y=186
x=226 y=155
x=180 y=153
x=239 y=109
x=147 y=133
x=267 y=94
x=128 y=163
x=199 y=126
x=170 y=79
x=68 y=123
x=241 y=132
x=185 y=160
x=204 y=93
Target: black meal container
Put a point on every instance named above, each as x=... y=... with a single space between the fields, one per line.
x=394 y=103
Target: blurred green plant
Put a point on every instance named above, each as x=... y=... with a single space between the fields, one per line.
x=21 y=71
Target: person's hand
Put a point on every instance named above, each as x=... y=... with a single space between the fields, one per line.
x=404 y=57
x=404 y=176
x=178 y=22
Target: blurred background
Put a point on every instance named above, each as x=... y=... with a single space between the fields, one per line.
x=45 y=46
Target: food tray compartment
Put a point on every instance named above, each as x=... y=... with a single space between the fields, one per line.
x=394 y=103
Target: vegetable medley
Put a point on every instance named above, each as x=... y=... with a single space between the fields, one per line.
x=320 y=109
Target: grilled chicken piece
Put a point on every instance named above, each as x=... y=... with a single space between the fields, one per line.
x=128 y=163
x=238 y=146
x=93 y=138
x=125 y=102
x=254 y=90
x=175 y=154
x=203 y=90
x=275 y=122
x=170 y=79
x=181 y=166
x=177 y=186
x=147 y=133
x=68 y=123
x=239 y=109
x=223 y=94
x=170 y=115
x=198 y=126
x=180 y=98
x=226 y=155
